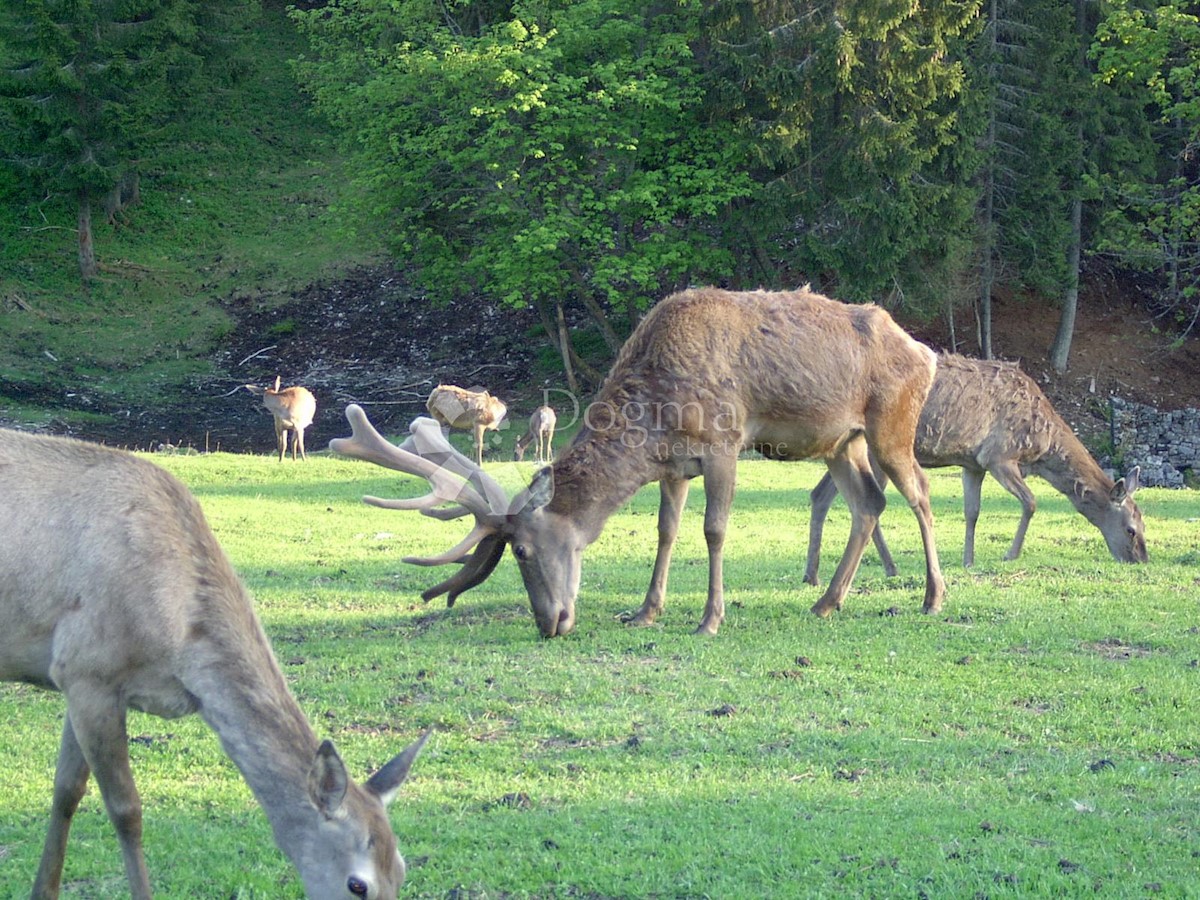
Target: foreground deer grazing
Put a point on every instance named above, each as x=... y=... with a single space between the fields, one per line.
x=293 y=409
x=540 y=434
x=114 y=591
x=989 y=416
x=706 y=374
x=456 y=407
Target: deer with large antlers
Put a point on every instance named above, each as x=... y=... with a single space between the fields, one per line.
x=989 y=416
x=541 y=434
x=114 y=591
x=293 y=409
x=457 y=407
x=706 y=374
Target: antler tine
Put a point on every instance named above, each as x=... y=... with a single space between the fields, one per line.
x=458 y=552
x=475 y=571
x=367 y=444
x=427 y=440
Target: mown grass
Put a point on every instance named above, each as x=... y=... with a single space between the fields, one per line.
x=1038 y=738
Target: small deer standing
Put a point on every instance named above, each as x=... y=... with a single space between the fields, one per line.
x=293 y=409
x=706 y=374
x=989 y=416
x=540 y=433
x=457 y=407
x=114 y=591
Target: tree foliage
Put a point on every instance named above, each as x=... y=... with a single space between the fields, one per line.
x=86 y=86
x=561 y=155
x=1153 y=220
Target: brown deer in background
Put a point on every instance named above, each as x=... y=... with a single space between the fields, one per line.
x=478 y=411
x=989 y=416
x=705 y=374
x=114 y=591
x=293 y=409
x=540 y=433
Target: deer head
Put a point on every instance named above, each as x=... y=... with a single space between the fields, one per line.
x=551 y=575
x=1122 y=525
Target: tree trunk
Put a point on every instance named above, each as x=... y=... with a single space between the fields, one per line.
x=1060 y=350
x=87 y=249
x=564 y=349
x=987 y=272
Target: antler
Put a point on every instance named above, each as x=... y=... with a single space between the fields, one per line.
x=453 y=479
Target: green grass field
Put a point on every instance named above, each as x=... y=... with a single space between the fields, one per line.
x=1039 y=737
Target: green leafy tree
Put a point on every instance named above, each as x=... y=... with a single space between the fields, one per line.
x=850 y=113
x=86 y=86
x=1027 y=82
x=555 y=154
x=1152 y=52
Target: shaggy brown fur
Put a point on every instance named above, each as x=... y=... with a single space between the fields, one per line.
x=477 y=411
x=989 y=416
x=706 y=374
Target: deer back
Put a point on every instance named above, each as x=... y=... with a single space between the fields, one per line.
x=460 y=408
x=294 y=407
x=979 y=411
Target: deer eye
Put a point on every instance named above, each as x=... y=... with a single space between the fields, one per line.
x=521 y=552
x=356 y=886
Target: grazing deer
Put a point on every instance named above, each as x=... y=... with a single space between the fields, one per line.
x=293 y=409
x=989 y=416
x=540 y=433
x=705 y=374
x=456 y=407
x=114 y=591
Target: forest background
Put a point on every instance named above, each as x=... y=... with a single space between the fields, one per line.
x=163 y=162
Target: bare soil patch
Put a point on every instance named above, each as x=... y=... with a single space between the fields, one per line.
x=371 y=338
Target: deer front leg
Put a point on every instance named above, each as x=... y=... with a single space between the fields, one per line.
x=851 y=473
x=70 y=784
x=672 y=497
x=1008 y=473
x=720 y=475
x=972 y=482
x=479 y=429
x=98 y=722
x=820 y=499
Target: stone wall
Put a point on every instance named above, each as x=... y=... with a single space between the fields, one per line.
x=1165 y=444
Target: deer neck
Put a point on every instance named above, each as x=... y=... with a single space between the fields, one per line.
x=595 y=476
x=244 y=698
x=1072 y=470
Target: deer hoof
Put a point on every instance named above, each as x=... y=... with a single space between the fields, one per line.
x=824 y=608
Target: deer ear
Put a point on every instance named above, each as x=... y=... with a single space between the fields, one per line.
x=327 y=780
x=1125 y=486
x=541 y=489
x=386 y=782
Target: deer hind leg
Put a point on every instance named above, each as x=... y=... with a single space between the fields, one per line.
x=281 y=439
x=821 y=499
x=98 y=724
x=672 y=497
x=851 y=473
x=298 y=443
x=70 y=784
x=911 y=481
x=1008 y=473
